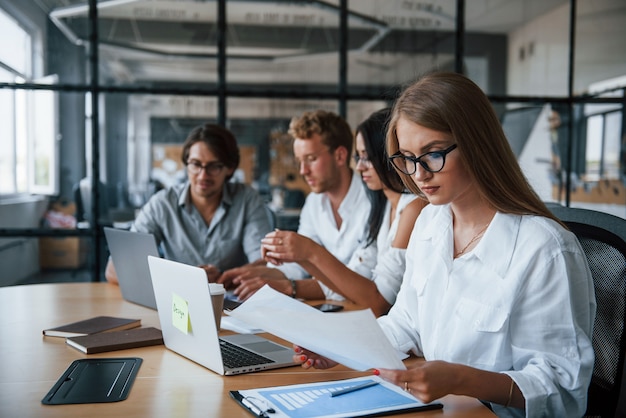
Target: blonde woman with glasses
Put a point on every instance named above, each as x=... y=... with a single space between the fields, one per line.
x=497 y=295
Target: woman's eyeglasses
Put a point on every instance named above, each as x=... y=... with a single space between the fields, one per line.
x=365 y=161
x=213 y=168
x=432 y=162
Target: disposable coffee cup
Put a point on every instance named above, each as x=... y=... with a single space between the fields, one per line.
x=217 y=299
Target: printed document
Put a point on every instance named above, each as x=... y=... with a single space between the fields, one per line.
x=351 y=338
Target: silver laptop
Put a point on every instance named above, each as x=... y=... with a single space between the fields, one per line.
x=129 y=252
x=179 y=285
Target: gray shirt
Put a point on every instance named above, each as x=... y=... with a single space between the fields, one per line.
x=232 y=239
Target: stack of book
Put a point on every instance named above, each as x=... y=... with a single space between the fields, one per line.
x=106 y=333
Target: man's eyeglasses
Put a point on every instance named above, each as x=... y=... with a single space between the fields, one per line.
x=432 y=162
x=213 y=168
x=363 y=160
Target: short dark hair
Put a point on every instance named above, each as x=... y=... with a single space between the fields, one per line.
x=220 y=141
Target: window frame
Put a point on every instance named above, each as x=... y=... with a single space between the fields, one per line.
x=33 y=126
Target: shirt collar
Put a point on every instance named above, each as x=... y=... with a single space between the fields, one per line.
x=227 y=194
x=349 y=201
x=184 y=200
x=185 y=197
x=494 y=250
x=348 y=204
x=438 y=231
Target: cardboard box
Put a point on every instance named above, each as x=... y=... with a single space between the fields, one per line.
x=62 y=252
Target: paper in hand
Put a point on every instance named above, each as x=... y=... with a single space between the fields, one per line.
x=351 y=338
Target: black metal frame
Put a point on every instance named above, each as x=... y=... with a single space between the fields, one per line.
x=222 y=91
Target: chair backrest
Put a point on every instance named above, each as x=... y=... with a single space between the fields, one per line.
x=271 y=216
x=83 y=199
x=603 y=238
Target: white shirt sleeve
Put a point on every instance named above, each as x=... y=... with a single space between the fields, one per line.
x=521 y=302
x=388 y=273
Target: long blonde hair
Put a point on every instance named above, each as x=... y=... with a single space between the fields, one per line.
x=452 y=103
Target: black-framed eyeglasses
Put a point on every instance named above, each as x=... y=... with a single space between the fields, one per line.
x=213 y=168
x=432 y=161
x=363 y=160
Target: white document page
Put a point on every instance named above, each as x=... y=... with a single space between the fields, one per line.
x=233 y=324
x=353 y=338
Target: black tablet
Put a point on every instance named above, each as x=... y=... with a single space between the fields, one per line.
x=94 y=381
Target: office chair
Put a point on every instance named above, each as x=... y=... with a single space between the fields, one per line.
x=603 y=238
x=271 y=216
x=293 y=198
x=83 y=199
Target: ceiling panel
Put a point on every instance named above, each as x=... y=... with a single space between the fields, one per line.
x=161 y=40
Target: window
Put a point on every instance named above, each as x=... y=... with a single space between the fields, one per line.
x=29 y=159
x=604 y=131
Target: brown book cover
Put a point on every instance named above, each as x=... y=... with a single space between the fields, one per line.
x=116 y=340
x=92 y=326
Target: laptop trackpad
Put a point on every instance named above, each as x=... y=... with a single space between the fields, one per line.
x=263 y=347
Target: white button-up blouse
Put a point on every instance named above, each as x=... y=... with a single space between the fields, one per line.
x=521 y=302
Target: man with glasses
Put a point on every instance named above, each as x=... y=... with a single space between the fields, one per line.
x=206 y=219
x=335 y=214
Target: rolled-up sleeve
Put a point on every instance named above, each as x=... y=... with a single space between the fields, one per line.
x=521 y=303
x=554 y=372
x=388 y=273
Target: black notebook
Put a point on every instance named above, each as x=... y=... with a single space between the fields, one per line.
x=92 y=326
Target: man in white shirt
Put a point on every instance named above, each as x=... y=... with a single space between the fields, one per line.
x=334 y=214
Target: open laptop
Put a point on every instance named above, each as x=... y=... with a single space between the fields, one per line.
x=129 y=252
x=175 y=285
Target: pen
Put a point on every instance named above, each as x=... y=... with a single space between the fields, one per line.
x=352 y=389
x=255 y=409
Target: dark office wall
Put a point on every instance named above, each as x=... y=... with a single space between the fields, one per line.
x=494 y=48
x=115 y=139
x=69 y=63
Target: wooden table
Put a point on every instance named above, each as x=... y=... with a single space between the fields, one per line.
x=167 y=385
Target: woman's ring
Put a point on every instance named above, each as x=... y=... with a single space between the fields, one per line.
x=280 y=241
x=406 y=387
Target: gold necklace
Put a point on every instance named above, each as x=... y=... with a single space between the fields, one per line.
x=480 y=234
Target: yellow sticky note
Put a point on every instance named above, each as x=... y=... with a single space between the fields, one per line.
x=180 y=313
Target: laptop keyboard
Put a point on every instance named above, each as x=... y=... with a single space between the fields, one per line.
x=235 y=356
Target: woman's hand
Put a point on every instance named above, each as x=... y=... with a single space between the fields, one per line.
x=428 y=382
x=308 y=359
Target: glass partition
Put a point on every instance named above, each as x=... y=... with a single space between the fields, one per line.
x=400 y=40
x=164 y=66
